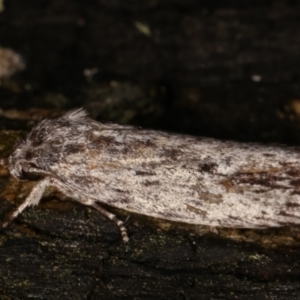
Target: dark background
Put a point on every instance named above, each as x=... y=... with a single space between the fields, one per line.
x=195 y=73
x=224 y=69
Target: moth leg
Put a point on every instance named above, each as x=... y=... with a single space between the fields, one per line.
x=115 y=219
x=32 y=199
x=61 y=187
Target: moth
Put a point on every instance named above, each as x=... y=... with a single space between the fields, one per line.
x=175 y=177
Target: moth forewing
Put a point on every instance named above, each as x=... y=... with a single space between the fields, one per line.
x=163 y=175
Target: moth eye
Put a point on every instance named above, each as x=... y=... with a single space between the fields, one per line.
x=30 y=176
x=27 y=174
x=33 y=165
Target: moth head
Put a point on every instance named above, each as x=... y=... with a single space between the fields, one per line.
x=33 y=157
x=22 y=164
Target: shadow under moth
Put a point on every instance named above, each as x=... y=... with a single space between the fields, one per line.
x=169 y=176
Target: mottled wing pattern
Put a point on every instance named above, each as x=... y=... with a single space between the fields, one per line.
x=183 y=178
